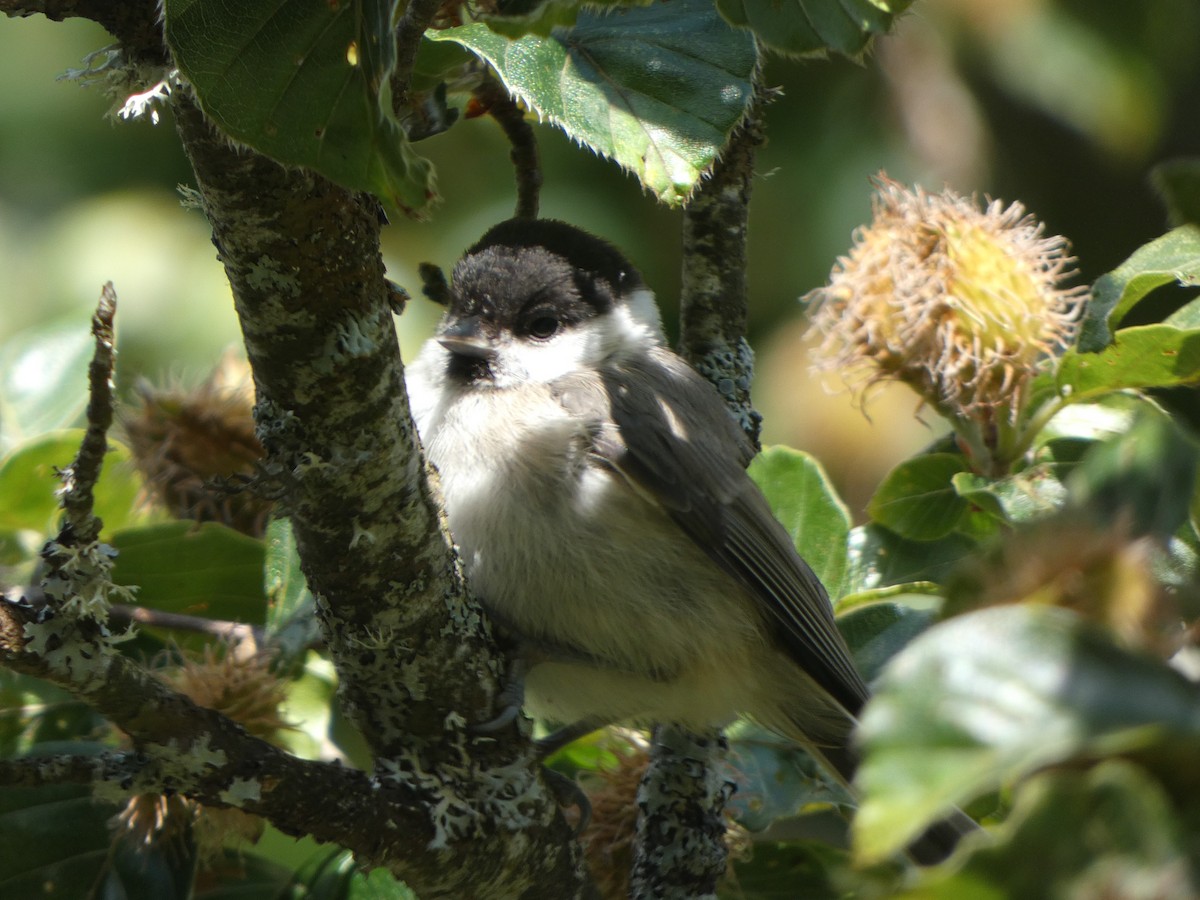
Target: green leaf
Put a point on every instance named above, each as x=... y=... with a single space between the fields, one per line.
x=1174 y=257
x=56 y=835
x=879 y=558
x=1032 y=493
x=813 y=27
x=1146 y=356
x=1143 y=479
x=775 y=778
x=28 y=483
x=1107 y=832
x=992 y=696
x=33 y=711
x=201 y=570
x=1178 y=182
x=310 y=702
x=43 y=380
x=157 y=872
x=876 y=632
x=917 y=499
x=788 y=870
x=291 y=611
x=802 y=497
x=657 y=89
x=304 y=83
x=517 y=18
x=239 y=875
x=1186 y=318
x=338 y=877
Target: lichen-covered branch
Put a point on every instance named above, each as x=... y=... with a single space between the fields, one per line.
x=195 y=751
x=80 y=526
x=713 y=303
x=680 y=850
x=452 y=813
x=414 y=656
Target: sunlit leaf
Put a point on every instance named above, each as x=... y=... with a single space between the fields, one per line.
x=28 y=483
x=1021 y=497
x=989 y=697
x=33 y=711
x=880 y=558
x=304 y=83
x=804 y=500
x=1186 y=318
x=338 y=877
x=43 y=380
x=1172 y=258
x=1146 y=356
x=917 y=499
x=808 y=27
x=658 y=89
x=309 y=707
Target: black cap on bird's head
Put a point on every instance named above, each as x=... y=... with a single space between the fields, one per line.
x=522 y=260
x=530 y=283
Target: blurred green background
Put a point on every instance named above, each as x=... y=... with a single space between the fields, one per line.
x=1065 y=105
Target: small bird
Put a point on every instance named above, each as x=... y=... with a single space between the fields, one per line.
x=595 y=485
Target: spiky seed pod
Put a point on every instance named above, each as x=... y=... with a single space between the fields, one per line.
x=244 y=688
x=187 y=443
x=156 y=820
x=608 y=840
x=964 y=304
x=239 y=686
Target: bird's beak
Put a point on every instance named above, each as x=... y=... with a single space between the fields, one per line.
x=465 y=337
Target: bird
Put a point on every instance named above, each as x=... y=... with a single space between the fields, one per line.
x=596 y=488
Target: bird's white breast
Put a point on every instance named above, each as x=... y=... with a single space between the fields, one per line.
x=565 y=551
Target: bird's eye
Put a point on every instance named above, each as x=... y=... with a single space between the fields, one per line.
x=543 y=327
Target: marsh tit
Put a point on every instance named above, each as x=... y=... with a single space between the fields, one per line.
x=596 y=488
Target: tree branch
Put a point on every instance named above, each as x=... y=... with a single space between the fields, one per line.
x=680 y=849
x=80 y=526
x=418 y=15
x=507 y=112
x=132 y=22
x=714 y=304
x=414 y=656
x=238 y=632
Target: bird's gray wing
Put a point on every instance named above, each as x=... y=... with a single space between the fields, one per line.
x=666 y=430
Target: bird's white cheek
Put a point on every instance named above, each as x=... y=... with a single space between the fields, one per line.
x=543 y=362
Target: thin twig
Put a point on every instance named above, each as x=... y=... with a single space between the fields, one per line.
x=416 y=19
x=157 y=618
x=508 y=113
x=80 y=525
